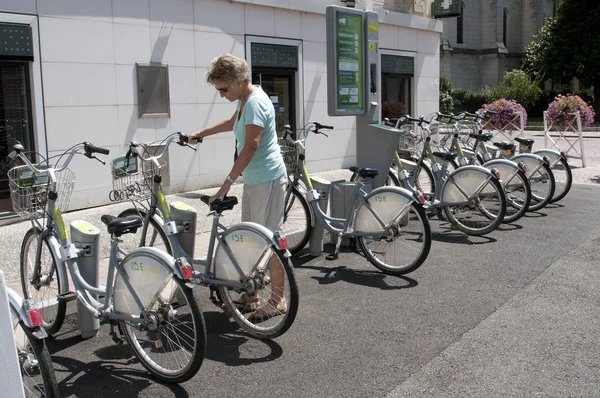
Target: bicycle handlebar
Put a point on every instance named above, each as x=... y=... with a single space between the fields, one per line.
x=183 y=140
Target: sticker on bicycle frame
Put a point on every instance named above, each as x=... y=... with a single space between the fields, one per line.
x=164 y=204
x=27 y=178
x=60 y=224
x=123 y=166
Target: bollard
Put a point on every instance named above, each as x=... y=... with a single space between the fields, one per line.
x=343 y=195
x=185 y=216
x=86 y=236
x=316 y=238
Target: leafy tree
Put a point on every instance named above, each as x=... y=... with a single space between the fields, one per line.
x=518 y=86
x=568 y=46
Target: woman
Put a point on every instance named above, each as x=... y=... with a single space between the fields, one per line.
x=259 y=161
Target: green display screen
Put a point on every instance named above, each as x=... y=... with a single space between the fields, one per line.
x=349 y=65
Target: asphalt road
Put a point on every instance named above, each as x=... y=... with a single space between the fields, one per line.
x=510 y=314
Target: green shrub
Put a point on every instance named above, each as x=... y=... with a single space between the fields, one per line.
x=517 y=85
x=446 y=102
x=468 y=99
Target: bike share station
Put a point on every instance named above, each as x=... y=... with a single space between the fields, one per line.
x=352 y=78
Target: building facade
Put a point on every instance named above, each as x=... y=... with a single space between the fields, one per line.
x=489 y=38
x=92 y=61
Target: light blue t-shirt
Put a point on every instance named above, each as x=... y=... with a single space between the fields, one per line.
x=267 y=163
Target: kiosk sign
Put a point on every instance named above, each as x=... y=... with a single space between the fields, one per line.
x=346 y=60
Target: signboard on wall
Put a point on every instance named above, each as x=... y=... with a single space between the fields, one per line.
x=345 y=61
x=446 y=8
x=16 y=42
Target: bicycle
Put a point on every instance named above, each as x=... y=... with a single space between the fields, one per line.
x=471 y=197
x=389 y=223
x=35 y=364
x=539 y=174
x=241 y=260
x=513 y=177
x=146 y=296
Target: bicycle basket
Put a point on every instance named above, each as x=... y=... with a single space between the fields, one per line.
x=29 y=193
x=132 y=181
x=289 y=152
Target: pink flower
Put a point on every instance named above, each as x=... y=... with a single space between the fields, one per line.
x=560 y=112
x=507 y=112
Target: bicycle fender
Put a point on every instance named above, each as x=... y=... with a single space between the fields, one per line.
x=384 y=205
x=552 y=155
x=503 y=166
x=463 y=177
x=303 y=193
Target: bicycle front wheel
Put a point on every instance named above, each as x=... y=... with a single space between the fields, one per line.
x=46 y=286
x=154 y=235
x=296 y=221
x=267 y=305
x=37 y=371
x=171 y=343
x=481 y=211
x=405 y=246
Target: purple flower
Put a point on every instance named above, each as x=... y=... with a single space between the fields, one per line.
x=507 y=115
x=560 y=112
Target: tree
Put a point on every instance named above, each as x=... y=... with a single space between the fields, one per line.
x=568 y=46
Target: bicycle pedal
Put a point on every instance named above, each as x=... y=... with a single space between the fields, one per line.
x=66 y=297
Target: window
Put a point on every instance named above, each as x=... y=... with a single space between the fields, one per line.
x=505 y=28
x=459 y=25
x=396 y=85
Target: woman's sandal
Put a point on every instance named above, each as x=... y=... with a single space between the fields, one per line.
x=268 y=311
x=246 y=303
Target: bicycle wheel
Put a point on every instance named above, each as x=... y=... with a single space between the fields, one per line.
x=481 y=211
x=296 y=221
x=516 y=188
x=405 y=246
x=172 y=344
x=392 y=180
x=37 y=371
x=268 y=306
x=542 y=185
x=563 y=178
x=155 y=235
x=48 y=283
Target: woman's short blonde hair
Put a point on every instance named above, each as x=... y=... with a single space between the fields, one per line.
x=228 y=69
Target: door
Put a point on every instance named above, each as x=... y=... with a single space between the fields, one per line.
x=279 y=86
x=15 y=120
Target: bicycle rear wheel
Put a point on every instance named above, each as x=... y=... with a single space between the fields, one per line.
x=404 y=248
x=48 y=284
x=37 y=371
x=154 y=237
x=516 y=188
x=171 y=345
x=296 y=221
x=542 y=186
x=478 y=213
x=268 y=306
x=563 y=178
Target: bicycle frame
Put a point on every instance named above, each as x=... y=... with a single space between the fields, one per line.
x=159 y=209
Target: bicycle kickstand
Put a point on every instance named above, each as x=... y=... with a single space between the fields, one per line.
x=336 y=252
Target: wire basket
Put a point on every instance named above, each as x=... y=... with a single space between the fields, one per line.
x=289 y=152
x=29 y=193
x=132 y=182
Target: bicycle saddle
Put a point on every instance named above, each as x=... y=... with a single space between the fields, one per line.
x=447 y=156
x=505 y=145
x=220 y=205
x=121 y=225
x=482 y=137
x=525 y=141
x=366 y=172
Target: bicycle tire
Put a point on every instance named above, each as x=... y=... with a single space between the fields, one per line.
x=155 y=235
x=479 y=218
x=563 y=179
x=178 y=326
x=400 y=262
x=37 y=373
x=516 y=189
x=297 y=221
x=542 y=186
x=247 y=308
x=43 y=290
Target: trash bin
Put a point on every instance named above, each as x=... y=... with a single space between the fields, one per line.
x=321 y=185
x=86 y=236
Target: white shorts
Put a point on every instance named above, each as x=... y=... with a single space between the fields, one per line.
x=263 y=203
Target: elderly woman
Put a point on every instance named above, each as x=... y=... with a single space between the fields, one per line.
x=259 y=162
